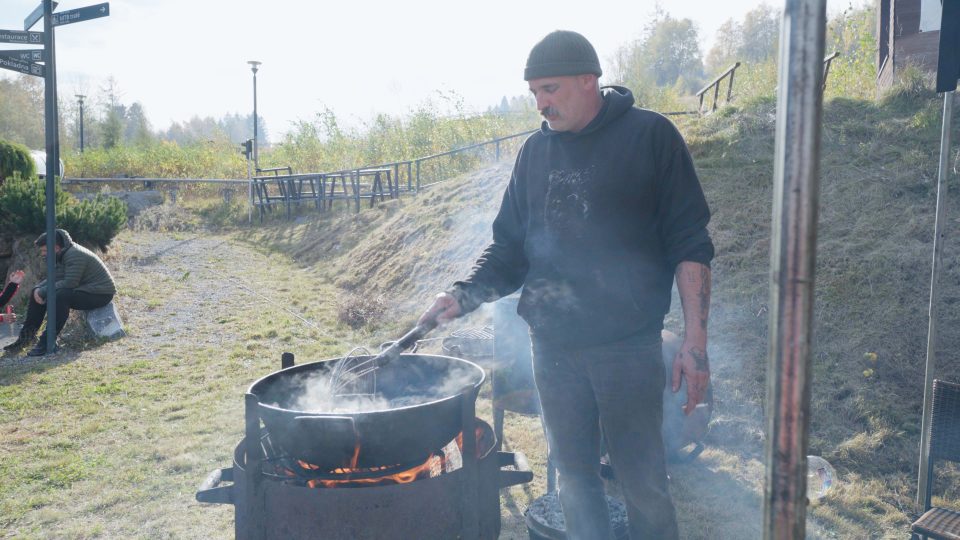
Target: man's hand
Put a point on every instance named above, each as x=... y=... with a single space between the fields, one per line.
x=691 y=363
x=445 y=308
x=36 y=296
x=17 y=277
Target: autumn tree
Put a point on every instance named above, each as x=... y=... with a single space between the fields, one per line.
x=667 y=54
x=753 y=40
x=21 y=110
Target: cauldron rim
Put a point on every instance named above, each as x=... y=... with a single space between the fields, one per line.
x=309 y=366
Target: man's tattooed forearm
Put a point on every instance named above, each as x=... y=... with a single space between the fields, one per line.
x=700 y=358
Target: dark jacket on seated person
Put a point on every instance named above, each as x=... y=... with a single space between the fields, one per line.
x=79 y=269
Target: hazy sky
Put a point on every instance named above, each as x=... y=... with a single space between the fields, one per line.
x=183 y=58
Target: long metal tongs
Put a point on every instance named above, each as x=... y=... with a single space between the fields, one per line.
x=355 y=372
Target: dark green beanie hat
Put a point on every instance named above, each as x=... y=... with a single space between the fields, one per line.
x=561 y=53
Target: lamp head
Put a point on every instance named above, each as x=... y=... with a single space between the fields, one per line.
x=254 y=65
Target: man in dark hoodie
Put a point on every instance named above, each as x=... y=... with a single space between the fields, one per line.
x=82 y=282
x=602 y=212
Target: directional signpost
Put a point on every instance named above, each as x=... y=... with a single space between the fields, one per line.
x=81 y=14
x=18 y=36
x=23 y=67
x=24 y=55
x=26 y=61
x=35 y=16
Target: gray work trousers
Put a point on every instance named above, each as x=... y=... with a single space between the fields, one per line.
x=617 y=387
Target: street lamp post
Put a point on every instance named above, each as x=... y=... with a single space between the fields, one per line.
x=254 y=66
x=80 y=99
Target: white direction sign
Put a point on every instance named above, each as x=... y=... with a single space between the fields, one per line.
x=24 y=55
x=23 y=67
x=80 y=14
x=19 y=36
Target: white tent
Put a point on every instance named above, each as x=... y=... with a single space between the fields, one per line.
x=40 y=159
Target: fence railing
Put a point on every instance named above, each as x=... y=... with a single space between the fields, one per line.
x=372 y=183
x=418 y=170
x=148 y=182
x=715 y=85
x=278 y=186
x=826 y=69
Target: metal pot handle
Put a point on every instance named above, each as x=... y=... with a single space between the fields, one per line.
x=521 y=475
x=210 y=491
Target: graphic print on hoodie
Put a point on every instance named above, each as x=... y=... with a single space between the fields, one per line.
x=568 y=205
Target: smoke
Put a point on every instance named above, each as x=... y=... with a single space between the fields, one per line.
x=314 y=392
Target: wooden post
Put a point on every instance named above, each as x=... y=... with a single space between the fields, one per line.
x=730 y=84
x=793 y=257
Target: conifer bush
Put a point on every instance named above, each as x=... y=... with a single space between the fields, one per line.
x=93 y=222
x=15 y=160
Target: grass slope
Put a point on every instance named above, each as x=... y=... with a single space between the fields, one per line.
x=111 y=440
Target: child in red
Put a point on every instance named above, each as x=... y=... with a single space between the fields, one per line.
x=11 y=288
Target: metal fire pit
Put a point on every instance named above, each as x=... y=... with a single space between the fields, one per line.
x=463 y=503
x=544 y=518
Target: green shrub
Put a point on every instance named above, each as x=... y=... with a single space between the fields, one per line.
x=23 y=201
x=92 y=222
x=15 y=159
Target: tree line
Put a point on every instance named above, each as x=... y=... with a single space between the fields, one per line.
x=108 y=122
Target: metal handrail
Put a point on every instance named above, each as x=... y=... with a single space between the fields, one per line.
x=275 y=170
x=715 y=84
x=418 y=161
x=69 y=180
x=826 y=69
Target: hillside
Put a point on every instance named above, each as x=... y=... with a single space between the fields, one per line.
x=879 y=169
x=112 y=439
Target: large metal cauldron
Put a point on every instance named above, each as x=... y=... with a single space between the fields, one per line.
x=403 y=435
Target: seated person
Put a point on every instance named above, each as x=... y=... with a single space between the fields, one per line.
x=82 y=282
x=11 y=289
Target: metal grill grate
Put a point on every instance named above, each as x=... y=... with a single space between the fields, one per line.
x=472 y=343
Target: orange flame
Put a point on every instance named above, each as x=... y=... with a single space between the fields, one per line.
x=433 y=466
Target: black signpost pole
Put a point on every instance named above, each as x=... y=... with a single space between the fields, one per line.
x=53 y=160
x=80 y=99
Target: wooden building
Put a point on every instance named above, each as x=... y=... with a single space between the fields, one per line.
x=908 y=32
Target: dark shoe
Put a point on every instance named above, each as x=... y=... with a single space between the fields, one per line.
x=25 y=338
x=39 y=349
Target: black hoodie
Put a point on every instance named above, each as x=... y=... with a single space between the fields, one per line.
x=593 y=225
